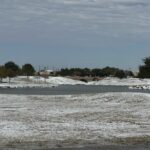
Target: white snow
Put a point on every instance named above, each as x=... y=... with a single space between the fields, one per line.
x=125 y=81
x=141 y=87
x=73 y=119
x=22 y=81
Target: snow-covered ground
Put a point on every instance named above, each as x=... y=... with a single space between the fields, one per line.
x=22 y=81
x=133 y=83
x=75 y=120
x=125 y=81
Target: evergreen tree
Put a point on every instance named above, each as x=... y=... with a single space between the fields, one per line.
x=28 y=70
x=144 y=70
x=13 y=67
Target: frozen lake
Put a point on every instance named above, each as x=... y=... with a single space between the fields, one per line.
x=70 y=89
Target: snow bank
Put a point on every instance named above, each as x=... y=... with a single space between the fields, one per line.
x=31 y=82
x=22 y=81
x=84 y=119
x=57 y=81
x=117 y=81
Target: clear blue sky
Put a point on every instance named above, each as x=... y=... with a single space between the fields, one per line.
x=75 y=33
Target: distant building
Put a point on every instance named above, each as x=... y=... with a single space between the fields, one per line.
x=46 y=72
x=135 y=73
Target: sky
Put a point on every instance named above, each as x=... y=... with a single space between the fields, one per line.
x=75 y=33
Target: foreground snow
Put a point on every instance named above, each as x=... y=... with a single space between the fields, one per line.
x=22 y=81
x=75 y=120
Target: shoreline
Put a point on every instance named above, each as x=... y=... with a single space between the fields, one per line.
x=47 y=146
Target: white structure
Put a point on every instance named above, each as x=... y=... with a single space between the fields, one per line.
x=46 y=72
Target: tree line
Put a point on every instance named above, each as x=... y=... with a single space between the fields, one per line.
x=96 y=72
x=11 y=69
x=144 y=71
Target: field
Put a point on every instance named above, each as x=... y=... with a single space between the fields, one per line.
x=75 y=120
